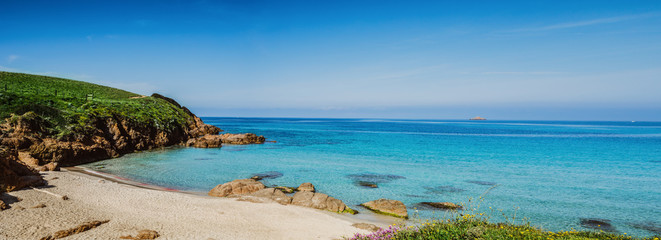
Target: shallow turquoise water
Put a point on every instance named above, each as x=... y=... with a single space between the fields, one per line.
x=552 y=173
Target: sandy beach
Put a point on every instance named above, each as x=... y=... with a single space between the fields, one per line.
x=173 y=215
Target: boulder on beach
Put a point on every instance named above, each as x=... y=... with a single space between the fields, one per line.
x=273 y=194
x=388 y=207
x=306 y=187
x=319 y=201
x=444 y=205
x=236 y=187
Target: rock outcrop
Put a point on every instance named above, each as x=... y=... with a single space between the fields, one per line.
x=443 y=205
x=107 y=136
x=216 y=141
x=273 y=194
x=236 y=187
x=318 y=201
x=388 y=207
x=14 y=174
x=243 y=138
x=306 y=187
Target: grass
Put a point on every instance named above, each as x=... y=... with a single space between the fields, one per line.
x=473 y=224
x=473 y=227
x=72 y=108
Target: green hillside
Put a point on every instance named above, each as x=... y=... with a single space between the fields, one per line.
x=70 y=107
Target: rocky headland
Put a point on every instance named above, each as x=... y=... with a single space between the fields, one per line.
x=51 y=127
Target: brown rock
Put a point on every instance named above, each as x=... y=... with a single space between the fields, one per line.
x=285 y=189
x=306 y=187
x=388 y=207
x=273 y=194
x=27 y=159
x=81 y=228
x=15 y=174
x=3 y=206
x=52 y=166
x=244 y=138
x=147 y=234
x=318 y=201
x=366 y=226
x=443 y=205
x=236 y=187
x=41 y=205
x=206 y=141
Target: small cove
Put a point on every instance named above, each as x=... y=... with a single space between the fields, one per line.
x=552 y=173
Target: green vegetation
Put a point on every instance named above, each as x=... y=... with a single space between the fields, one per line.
x=72 y=108
x=472 y=227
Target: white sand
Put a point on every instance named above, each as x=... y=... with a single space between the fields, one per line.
x=174 y=215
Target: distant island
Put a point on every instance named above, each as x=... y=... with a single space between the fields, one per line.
x=478 y=118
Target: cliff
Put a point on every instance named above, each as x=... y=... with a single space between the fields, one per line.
x=50 y=122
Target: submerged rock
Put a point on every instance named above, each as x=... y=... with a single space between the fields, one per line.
x=367 y=184
x=374 y=177
x=267 y=175
x=484 y=183
x=388 y=207
x=236 y=187
x=649 y=226
x=443 y=189
x=306 y=187
x=443 y=205
x=598 y=224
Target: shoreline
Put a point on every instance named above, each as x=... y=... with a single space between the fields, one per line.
x=173 y=214
x=364 y=215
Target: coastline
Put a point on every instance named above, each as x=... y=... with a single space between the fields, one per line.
x=174 y=215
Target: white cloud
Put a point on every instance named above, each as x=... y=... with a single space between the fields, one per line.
x=585 y=23
x=12 y=58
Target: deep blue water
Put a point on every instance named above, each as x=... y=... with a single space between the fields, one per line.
x=552 y=173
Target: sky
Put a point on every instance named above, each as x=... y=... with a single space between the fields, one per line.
x=515 y=60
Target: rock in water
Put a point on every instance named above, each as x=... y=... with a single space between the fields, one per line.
x=206 y=141
x=443 y=205
x=236 y=187
x=267 y=175
x=306 y=187
x=598 y=224
x=244 y=138
x=388 y=207
x=367 y=184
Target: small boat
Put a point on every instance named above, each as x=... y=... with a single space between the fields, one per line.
x=478 y=118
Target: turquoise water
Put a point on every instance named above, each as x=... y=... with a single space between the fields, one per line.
x=552 y=173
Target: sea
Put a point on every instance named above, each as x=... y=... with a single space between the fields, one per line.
x=556 y=175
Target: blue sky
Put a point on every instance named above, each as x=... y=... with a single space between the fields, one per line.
x=550 y=60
